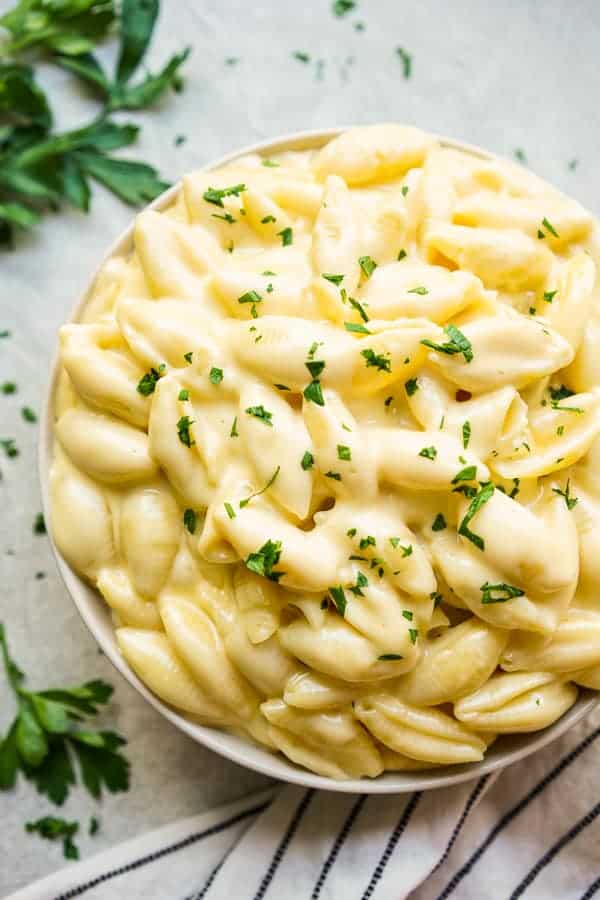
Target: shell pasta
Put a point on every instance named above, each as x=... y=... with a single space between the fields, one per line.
x=326 y=443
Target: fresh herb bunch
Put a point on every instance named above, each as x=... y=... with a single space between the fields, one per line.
x=45 y=739
x=39 y=169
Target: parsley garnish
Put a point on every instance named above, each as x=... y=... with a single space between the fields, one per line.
x=147 y=382
x=467 y=474
x=344 y=452
x=307 y=461
x=549 y=296
x=418 y=290
x=188 y=357
x=39 y=525
x=574 y=409
x=414 y=634
x=389 y=657
x=315 y=367
x=356 y=327
x=401 y=255
x=339 y=598
x=569 y=500
x=340 y=7
x=549 y=228
x=301 y=56
x=428 y=453
x=216 y=376
x=334 y=475
x=407 y=614
x=183 y=431
x=10 y=447
x=234 y=431
x=381 y=361
x=334 y=279
x=411 y=386
x=264 y=560
x=458 y=343
x=252 y=297
x=368 y=541
x=479 y=500
x=314 y=394
x=560 y=393
x=466 y=434
x=367 y=265
x=406 y=60
x=247 y=500
x=217 y=195
x=52 y=829
x=404 y=190
x=226 y=217
x=267 y=220
x=259 y=412
x=9 y=387
x=439 y=523
x=270 y=163
x=287 y=236
x=499 y=593
x=183 y=394
x=229 y=510
x=361 y=582
x=520 y=155
x=45 y=739
x=282 y=387
x=28 y=414
x=359 y=308
x=190 y=519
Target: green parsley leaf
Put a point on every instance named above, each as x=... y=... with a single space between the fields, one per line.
x=407 y=614
x=183 y=395
x=469 y=473
x=411 y=387
x=549 y=296
x=466 y=434
x=234 y=431
x=361 y=582
x=259 y=412
x=264 y=560
x=560 y=393
x=381 y=361
x=147 y=382
x=307 y=461
x=367 y=265
x=499 y=593
x=569 y=500
x=188 y=357
x=439 y=523
x=414 y=633
x=9 y=387
x=406 y=60
x=339 y=599
x=282 y=387
x=549 y=227
x=401 y=255
x=344 y=453
x=247 y=500
x=458 y=343
x=315 y=367
x=270 y=164
x=39 y=525
x=267 y=220
x=341 y=7
x=10 y=447
x=334 y=279
x=359 y=308
x=229 y=510
x=217 y=195
x=418 y=290
x=301 y=56
x=314 y=394
x=356 y=327
x=215 y=375
x=389 y=657
x=52 y=829
x=94 y=826
x=368 y=541
x=250 y=297
x=428 y=453
x=287 y=237
x=183 y=431
x=479 y=500
x=190 y=520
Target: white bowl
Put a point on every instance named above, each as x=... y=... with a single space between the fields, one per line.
x=96 y=614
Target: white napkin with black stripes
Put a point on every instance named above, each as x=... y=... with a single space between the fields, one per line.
x=532 y=832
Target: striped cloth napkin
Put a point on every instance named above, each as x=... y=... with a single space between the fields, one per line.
x=533 y=832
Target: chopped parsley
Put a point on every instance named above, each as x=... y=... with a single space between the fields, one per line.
x=401 y=255
x=344 y=452
x=190 y=520
x=313 y=393
x=307 y=461
x=53 y=829
x=229 y=510
x=414 y=634
x=549 y=228
x=28 y=414
x=379 y=361
x=234 y=431
x=339 y=598
x=389 y=657
x=270 y=164
x=361 y=582
x=252 y=297
x=428 y=453
x=10 y=447
x=264 y=560
x=407 y=614
x=439 y=523
x=147 y=382
x=466 y=434
x=411 y=387
x=188 y=357
x=217 y=195
x=334 y=279
x=351 y=532
x=287 y=236
x=479 y=500
x=315 y=367
x=549 y=296
x=301 y=56
x=227 y=217
x=184 y=394
x=341 y=7
x=520 y=155
x=406 y=60
x=368 y=541
x=39 y=525
x=356 y=327
x=247 y=500
x=334 y=475
x=418 y=290
x=560 y=393
x=404 y=190
x=9 y=387
x=499 y=593
x=569 y=500
x=183 y=431
x=259 y=412
x=216 y=375
x=469 y=473
x=458 y=343
x=367 y=265
x=574 y=409
x=359 y=308
x=267 y=220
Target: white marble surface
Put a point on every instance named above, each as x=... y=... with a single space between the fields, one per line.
x=516 y=73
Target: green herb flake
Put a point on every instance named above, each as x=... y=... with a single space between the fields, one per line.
x=439 y=523
x=314 y=394
x=333 y=475
x=428 y=453
x=234 y=432
x=334 y=279
x=39 y=525
x=401 y=255
x=301 y=56
x=183 y=431
x=367 y=265
x=9 y=387
x=147 y=382
x=404 y=190
x=406 y=60
x=469 y=473
x=190 y=520
x=271 y=480
x=9 y=446
x=407 y=614
x=414 y=634
x=183 y=395
x=28 y=414
x=466 y=434
x=550 y=228
x=217 y=195
x=344 y=452
x=339 y=599
x=549 y=296
x=259 y=412
x=411 y=387
x=341 y=8
x=458 y=343
x=418 y=290
x=188 y=357
x=359 y=308
x=520 y=155
x=569 y=500
x=361 y=582
x=215 y=376
x=379 y=361
x=307 y=461
x=355 y=327
x=499 y=593
x=389 y=657
x=315 y=367
x=368 y=541
x=53 y=829
x=287 y=237
x=478 y=501
x=270 y=164
x=264 y=560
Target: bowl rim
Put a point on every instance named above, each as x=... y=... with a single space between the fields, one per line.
x=94 y=611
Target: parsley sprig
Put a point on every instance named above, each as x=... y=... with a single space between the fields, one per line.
x=45 y=738
x=458 y=343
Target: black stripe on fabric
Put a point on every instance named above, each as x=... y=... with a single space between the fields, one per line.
x=512 y=813
x=593 y=889
x=159 y=854
x=391 y=844
x=473 y=797
x=337 y=846
x=554 y=850
x=283 y=845
x=209 y=881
